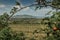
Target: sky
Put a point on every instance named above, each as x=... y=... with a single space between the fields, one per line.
x=7 y=5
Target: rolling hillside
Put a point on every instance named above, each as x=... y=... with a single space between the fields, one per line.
x=25 y=19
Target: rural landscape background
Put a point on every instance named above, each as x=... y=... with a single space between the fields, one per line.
x=29 y=19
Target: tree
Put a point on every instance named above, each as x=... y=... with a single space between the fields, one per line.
x=39 y=4
x=5 y=34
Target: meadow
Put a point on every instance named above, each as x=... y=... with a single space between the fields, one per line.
x=30 y=30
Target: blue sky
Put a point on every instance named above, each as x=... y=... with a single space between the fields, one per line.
x=6 y=6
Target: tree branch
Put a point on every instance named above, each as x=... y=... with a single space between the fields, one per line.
x=21 y=9
x=32 y=5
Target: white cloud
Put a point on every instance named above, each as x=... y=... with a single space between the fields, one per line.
x=2 y=5
x=26 y=9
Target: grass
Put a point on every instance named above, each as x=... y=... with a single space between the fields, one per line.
x=28 y=29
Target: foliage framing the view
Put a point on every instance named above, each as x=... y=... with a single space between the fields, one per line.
x=6 y=34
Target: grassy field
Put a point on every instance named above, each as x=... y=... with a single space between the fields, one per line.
x=29 y=29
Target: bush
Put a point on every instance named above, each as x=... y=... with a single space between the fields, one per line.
x=4 y=20
x=7 y=34
x=32 y=39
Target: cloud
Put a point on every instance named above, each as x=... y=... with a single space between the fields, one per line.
x=27 y=8
x=2 y=6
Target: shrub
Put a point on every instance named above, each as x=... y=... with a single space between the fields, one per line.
x=7 y=34
x=4 y=20
x=32 y=39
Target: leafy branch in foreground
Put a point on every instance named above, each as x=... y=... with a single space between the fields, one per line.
x=3 y=20
x=6 y=34
x=38 y=3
